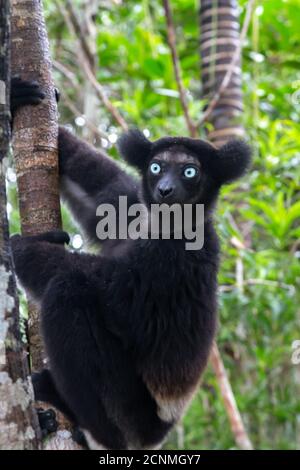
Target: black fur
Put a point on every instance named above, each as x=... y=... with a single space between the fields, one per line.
x=132 y=328
x=91 y=175
x=224 y=164
x=23 y=93
x=233 y=160
x=47 y=421
x=135 y=148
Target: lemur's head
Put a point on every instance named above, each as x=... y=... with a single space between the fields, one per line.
x=183 y=170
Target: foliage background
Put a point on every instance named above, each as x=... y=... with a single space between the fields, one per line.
x=257 y=220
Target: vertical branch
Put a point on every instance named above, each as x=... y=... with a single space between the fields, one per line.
x=80 y=33
x=69 y=16
x=176 y=65
x=35 y=139
x=18 y=421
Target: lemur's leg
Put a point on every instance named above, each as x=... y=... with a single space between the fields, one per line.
x=88 y=177
x=47 y=420
x=45 y=390
x=39 y=258
x=72 y=316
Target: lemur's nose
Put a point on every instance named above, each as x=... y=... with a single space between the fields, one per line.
x=165 y=191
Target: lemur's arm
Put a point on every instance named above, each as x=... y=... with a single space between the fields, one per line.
x=39 y=258
x=88 y=177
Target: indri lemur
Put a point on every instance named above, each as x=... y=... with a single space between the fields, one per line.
x=127 y=332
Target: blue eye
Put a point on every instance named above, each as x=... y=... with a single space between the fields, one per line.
x=155 y=168
x=190 y=172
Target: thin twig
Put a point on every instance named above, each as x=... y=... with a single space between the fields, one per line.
x=85 y=63
x=102 y=96
x=76 y=112
x=176 y=65
x=255 y=282
x=80 y=33
x=233 y=413
x=227 y=77
x=67 y=73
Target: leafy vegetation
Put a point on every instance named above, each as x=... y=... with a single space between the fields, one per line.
x=258 y=219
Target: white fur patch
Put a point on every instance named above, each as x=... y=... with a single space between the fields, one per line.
x=172 y=409
x=92 y=443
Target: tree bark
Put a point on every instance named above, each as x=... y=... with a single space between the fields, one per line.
x=35 y=146
x=18 y=420
x=219 y=39
x=35 y=140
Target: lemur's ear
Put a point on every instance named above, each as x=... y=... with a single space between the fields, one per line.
x=135 y=148
x=231 y=161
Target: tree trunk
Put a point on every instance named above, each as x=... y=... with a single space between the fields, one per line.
x=35 y=140
x=219 y=38
x=35 y=149
x=18 y=421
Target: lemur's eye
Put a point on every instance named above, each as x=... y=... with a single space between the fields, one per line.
x=190 y=172
x=155 y=168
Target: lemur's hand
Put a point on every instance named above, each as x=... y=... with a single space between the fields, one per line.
x=47 y=421
x=23 y=93
x=57 y=94
x=58 y=237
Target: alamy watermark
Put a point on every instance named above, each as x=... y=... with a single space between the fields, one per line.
x=176 y=221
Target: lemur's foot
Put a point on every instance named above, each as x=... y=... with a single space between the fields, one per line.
x=15 y=241
x=47 y=420
x=58 y=237
x=24 y=92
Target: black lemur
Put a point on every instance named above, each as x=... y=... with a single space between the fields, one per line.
x=127 y=332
